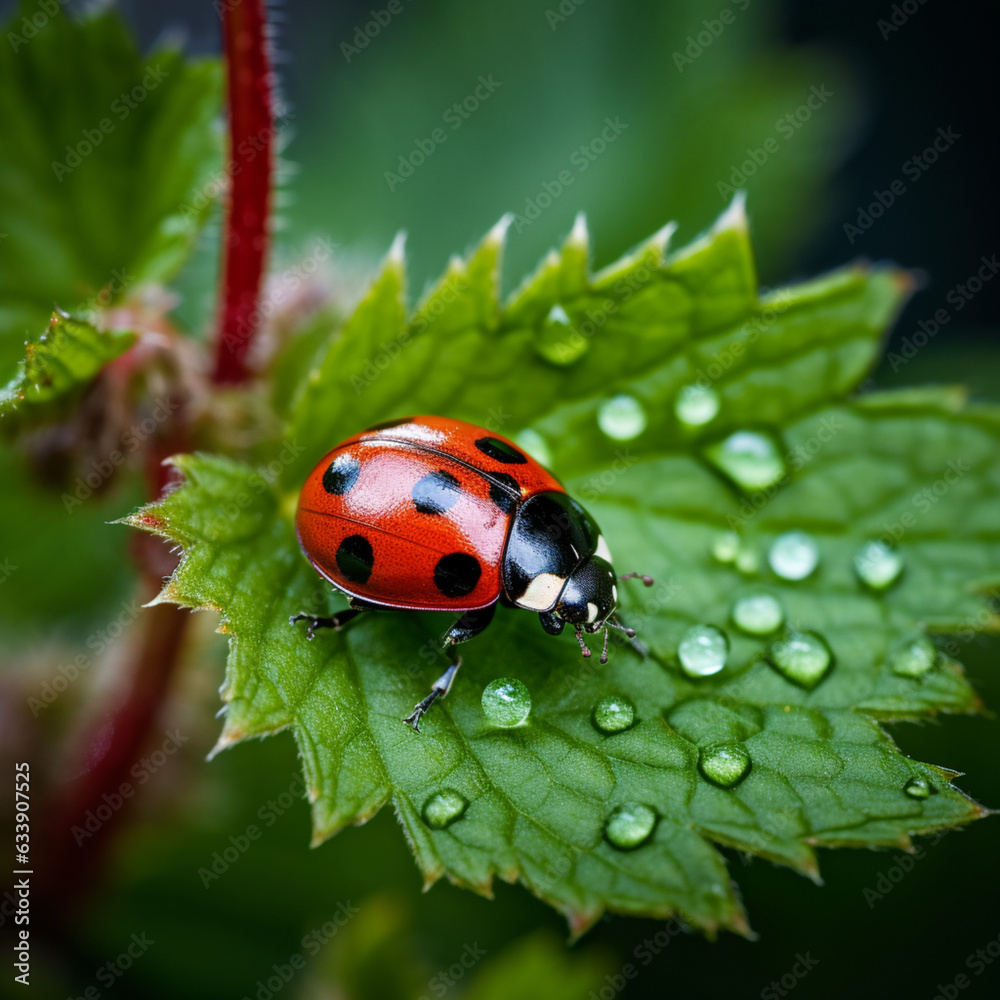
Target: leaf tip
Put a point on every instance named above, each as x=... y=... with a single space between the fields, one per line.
x=735 y=215
x=579 y=235
x=396 y=256
x=497 y=235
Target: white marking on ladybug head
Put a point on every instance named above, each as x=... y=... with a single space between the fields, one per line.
x=602 y=549
x=591 y=612
x=542 y=592
x=614 y=593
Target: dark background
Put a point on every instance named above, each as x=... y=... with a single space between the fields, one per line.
x=351 y=122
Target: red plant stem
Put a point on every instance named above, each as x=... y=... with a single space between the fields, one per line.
x=251 y=162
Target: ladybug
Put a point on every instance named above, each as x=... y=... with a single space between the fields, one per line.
x=432 y=514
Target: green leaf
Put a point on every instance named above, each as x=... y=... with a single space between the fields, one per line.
x=58 y=366
x=822 y=772
x=106 y=166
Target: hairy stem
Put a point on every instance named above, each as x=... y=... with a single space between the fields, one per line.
x=251 y=163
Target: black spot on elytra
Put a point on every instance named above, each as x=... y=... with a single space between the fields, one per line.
x=457 y=574
x=355 y=558
x=436 y=492
x=505 y=499
x=500 y=451
x=341 y=474
x=386 y=424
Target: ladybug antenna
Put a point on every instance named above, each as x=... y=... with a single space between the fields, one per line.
x=583 y=645
x=630 y=632
x=647 y=581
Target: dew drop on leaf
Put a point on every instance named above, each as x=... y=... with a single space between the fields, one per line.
x=912 y=656
x=918 y=788
x=793 y=555
x=443 y=808
x=622 y=418
x=758 y=614
x=558 y=341
x=726 y=547
x=535 y=445
x=724 y=764
x=802 y=657
x=877 y=565
x=748 y=562
x=696 y=405
x=613 y=714
x=703 y=651
x=506 y=702
x=629 y=825
x=749 y=459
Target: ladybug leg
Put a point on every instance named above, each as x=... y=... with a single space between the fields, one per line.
x=467 y=627
x=438 y=690
x=336 y=622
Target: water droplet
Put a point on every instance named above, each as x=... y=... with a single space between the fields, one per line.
x=622 y=418
x=793 y=555
x=630 y=825
x=750 y=459
x=558 y=341
x=535 y=445
x=726 y=547
x=878 y=565
x=724 y=764
x=613 y=714
x=919 y=788
x=703 y=651
x=443 y=808
x=747 y=562
x=912 y=656
x=802 y=657
x=758 y=614
x=696 y=405
x=506 y=702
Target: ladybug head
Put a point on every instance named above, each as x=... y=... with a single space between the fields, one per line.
x=589 y=596
x=587 y=603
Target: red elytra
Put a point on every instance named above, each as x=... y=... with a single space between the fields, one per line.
x=362 y=514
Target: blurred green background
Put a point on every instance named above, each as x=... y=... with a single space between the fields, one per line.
x=689 y=126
